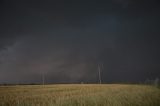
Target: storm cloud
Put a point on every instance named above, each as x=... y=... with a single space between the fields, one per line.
x=67 y=40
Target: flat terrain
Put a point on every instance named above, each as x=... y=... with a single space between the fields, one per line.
x=80 y=95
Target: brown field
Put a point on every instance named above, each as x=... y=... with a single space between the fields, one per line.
x=79 y=95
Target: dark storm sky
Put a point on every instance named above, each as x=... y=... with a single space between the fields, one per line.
x=66 y=39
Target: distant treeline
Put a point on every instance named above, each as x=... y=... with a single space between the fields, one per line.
x=155 y=82
x=6 y=84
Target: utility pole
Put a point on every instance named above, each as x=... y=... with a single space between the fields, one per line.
x=99 y=72
x=43 y=78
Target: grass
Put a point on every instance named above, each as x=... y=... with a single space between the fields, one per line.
x=80 y=95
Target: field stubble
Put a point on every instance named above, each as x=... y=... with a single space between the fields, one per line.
x=80 y=95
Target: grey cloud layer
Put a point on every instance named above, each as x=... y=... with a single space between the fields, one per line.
x=66 y=40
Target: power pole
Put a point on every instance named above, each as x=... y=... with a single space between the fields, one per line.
x=99 y=72
x=43 y=78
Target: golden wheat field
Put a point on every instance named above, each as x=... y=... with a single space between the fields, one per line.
x=79 y=95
